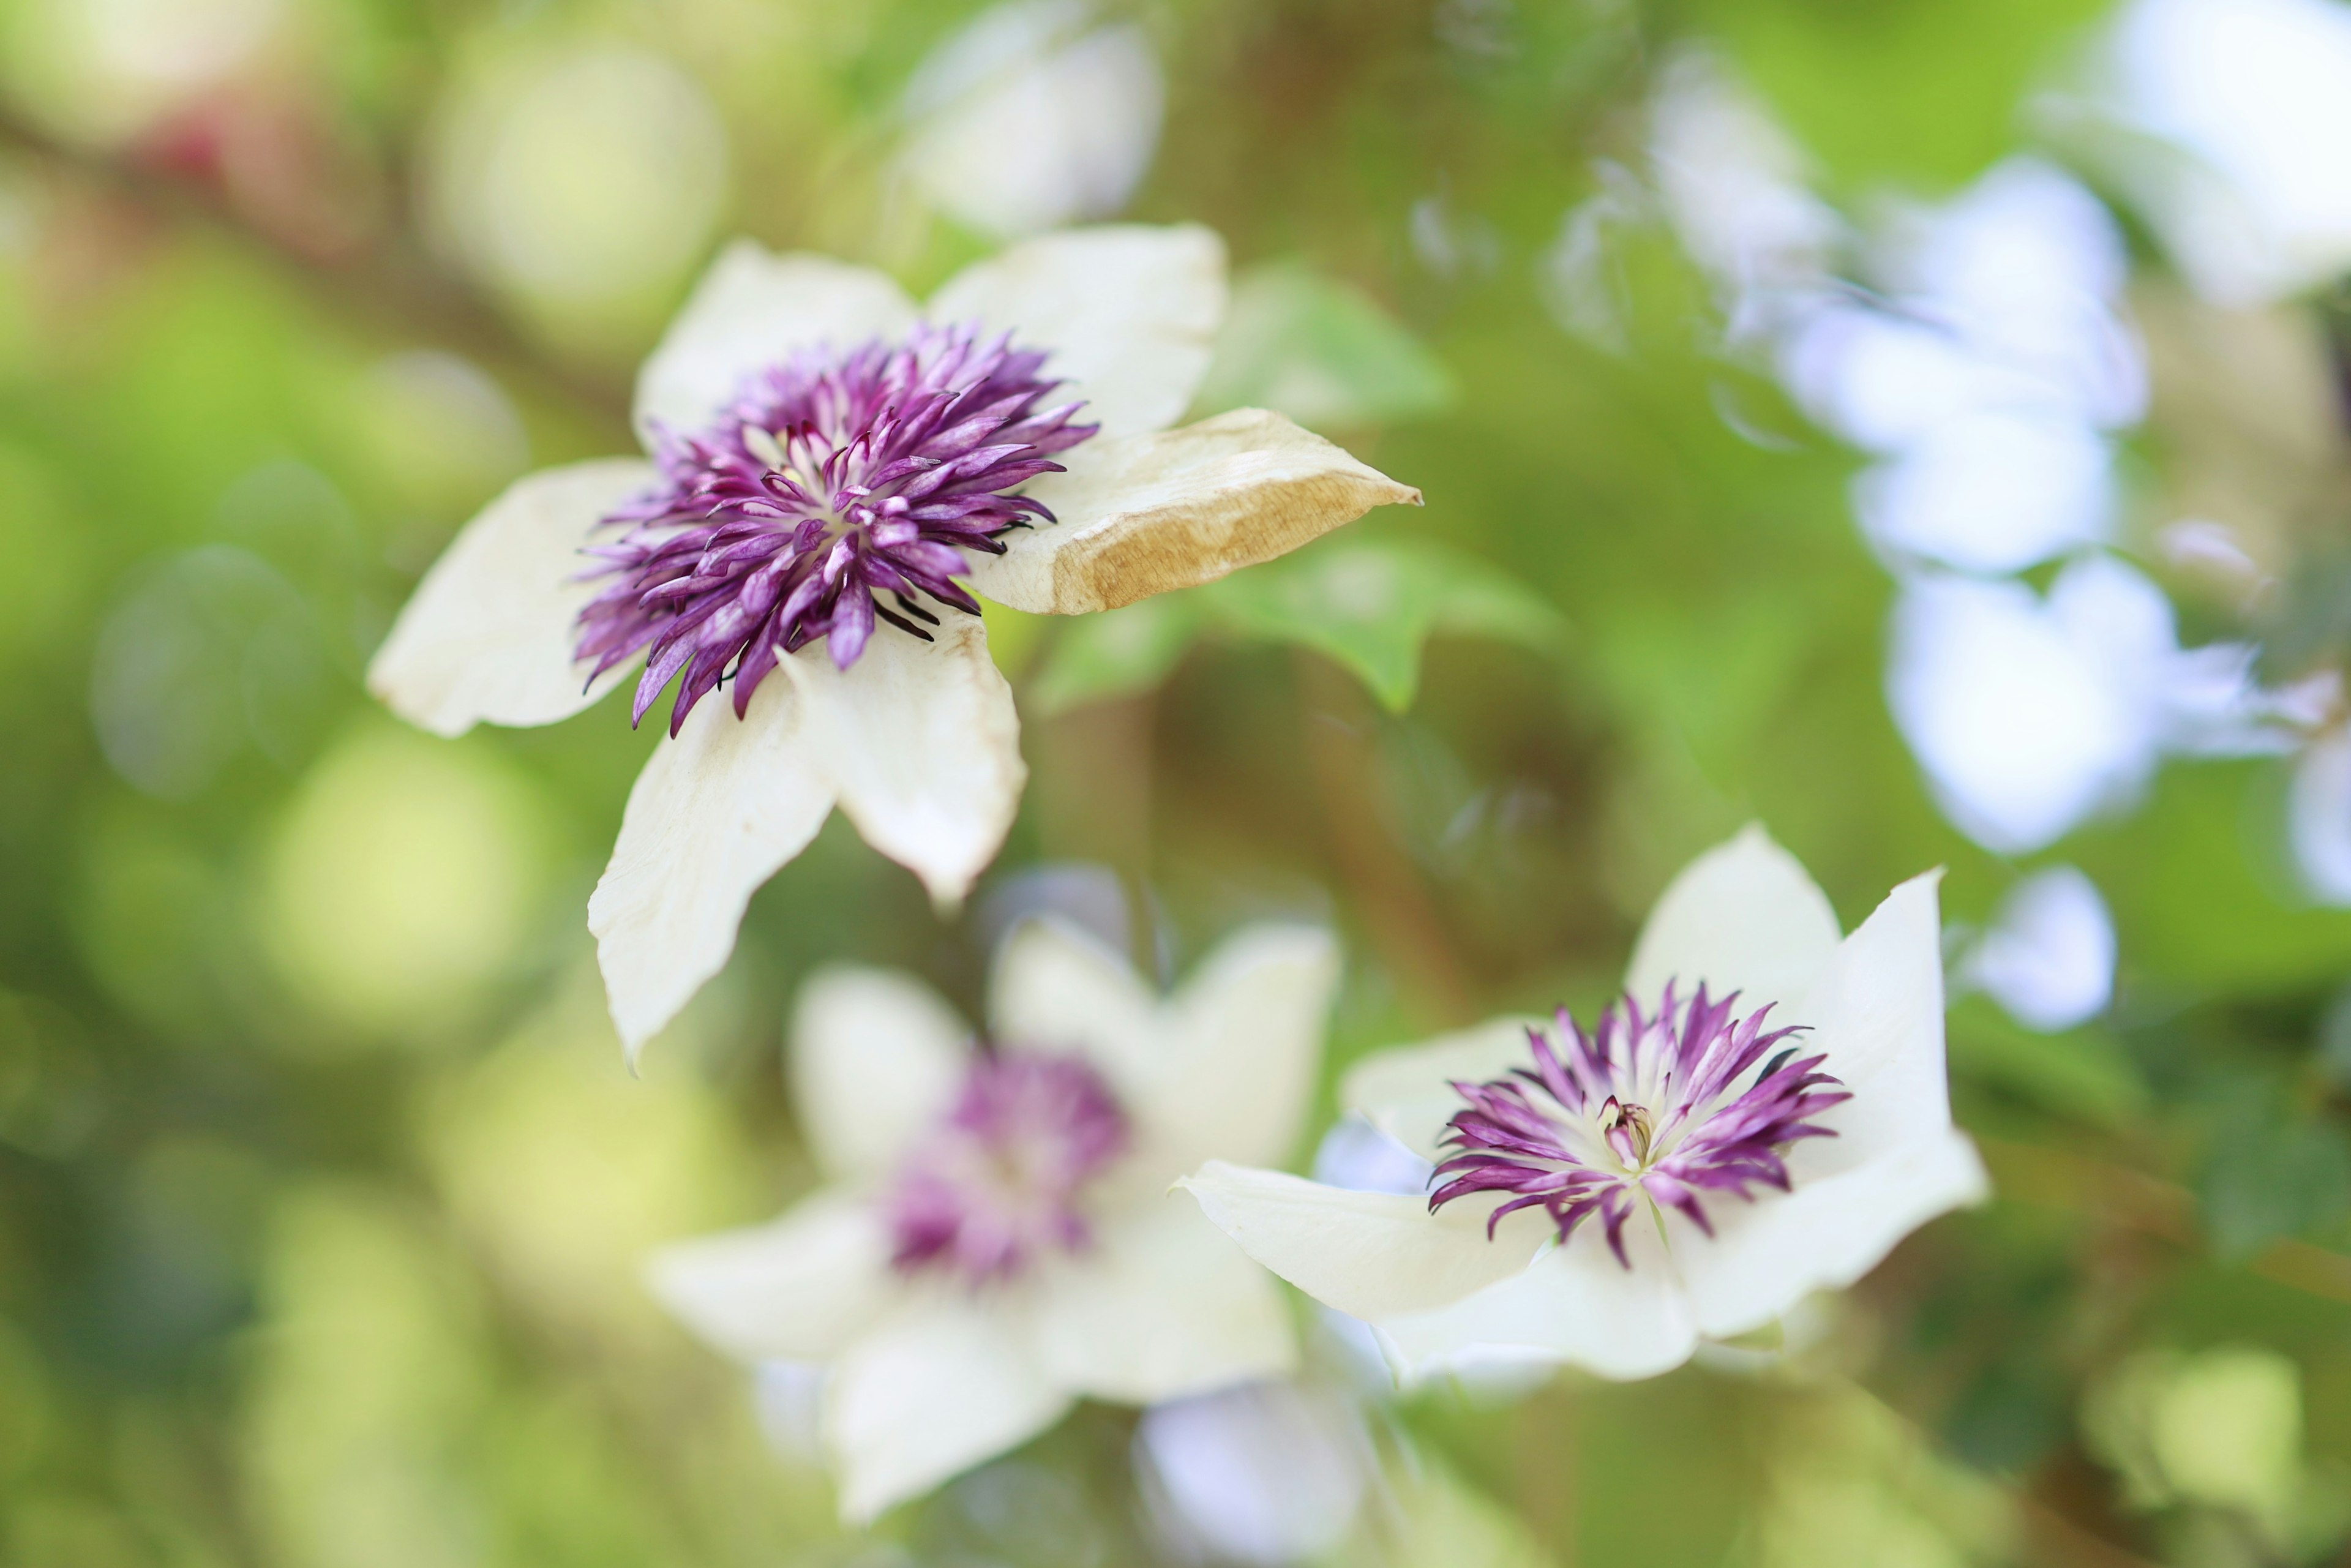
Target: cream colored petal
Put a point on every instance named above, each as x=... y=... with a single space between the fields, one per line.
x=1054 y=987
x=923 y=744
x=1767 y=1256
x=488 y=633
x=1130 y=312
x=716 y=812
x=1877 y=1012
x=1742 y=916
x=751 y=309
x=876 y=1059
x=1408 y=1092
x=1243 y=1050
x=800 y=1288
x=1576 y=1304
x=1149 y=513
x=1163 y=1305
x=1370 y=1254
x=930 y=1392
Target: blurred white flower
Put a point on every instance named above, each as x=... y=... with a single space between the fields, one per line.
x=1987 y=374
x=1268 y=1473
x=997 y=1240
x=2318 y=817
x=2223 y=119
x=2048 y=956
x=1358 y=1157
x=1693 y=1118
x=2028 y=716
x=1733 y=185
x=1031 y=117
x=727 y=548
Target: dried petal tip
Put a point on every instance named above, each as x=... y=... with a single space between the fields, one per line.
x=837 y=489
x=1665 y=1107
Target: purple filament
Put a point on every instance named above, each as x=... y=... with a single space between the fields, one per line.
x=832 y=481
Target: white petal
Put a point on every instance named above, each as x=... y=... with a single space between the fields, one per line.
x=1765 y=1257
x=1163 y=1305
x=1224 y=1069
x=1129 y=311
x=1243 y=1051
x=800 y=1288
x=1877 y=1011
x=489 y=631
x=718 y=811
x=1370 y=1254
x=1408 y=1092
x=751 y=309
x=1742 y=916
x=1149 y=513
x=1056 y=987
x=932 y=1392
x=1576 y=1304
x=876 y=1057
x=923 y=744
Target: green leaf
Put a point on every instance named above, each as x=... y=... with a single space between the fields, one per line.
x=1321 y=351
x=1118 y=653
x=1916 y=93
x=2272 y=1172
x=2084 y=1075
x=1371 y=605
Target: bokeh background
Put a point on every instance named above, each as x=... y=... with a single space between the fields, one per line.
x=1919 y=424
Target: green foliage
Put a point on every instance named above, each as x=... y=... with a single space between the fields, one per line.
x=1368 y=605
x=1913 y=93
x=1321 y=351
x=323 y=1193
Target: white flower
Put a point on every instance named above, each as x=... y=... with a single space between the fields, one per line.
x=772 y=407
x=1670 y=1190
x=997 y=1239
x=2032 y=715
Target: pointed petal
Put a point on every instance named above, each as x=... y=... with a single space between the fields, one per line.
x=718 y=811
x=1130 y=312
x=1224 y=1069
x=1877 y=1012
x=1764 y=1258
x=1576 y=1304
x=750 y=310
x=922 y=743
x=1059 y=988
x=1370 y=1254
x=932 y=1392
x=1149 y=513
x=1243 y=1050
x=488 y=633
x=1742 y=916
x=876 y=1057
x=800 y=1288
x=1163 y=1305
x=1408 y=1092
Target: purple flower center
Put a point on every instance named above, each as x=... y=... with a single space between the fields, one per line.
x=831 y=481
x=1000 y=1179
x=1664 y=1106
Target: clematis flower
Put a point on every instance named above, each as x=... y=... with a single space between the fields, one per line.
x=997 y=1239
x=834 y=473
x=1763 y=1115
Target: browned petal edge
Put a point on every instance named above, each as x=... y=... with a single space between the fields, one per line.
x=1183 y=546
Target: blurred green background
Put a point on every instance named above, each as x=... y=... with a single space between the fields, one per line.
x=322 y=1184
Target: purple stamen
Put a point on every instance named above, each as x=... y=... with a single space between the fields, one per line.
x=1650 y=1107
x=830 y=480
x=1000 y=1179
